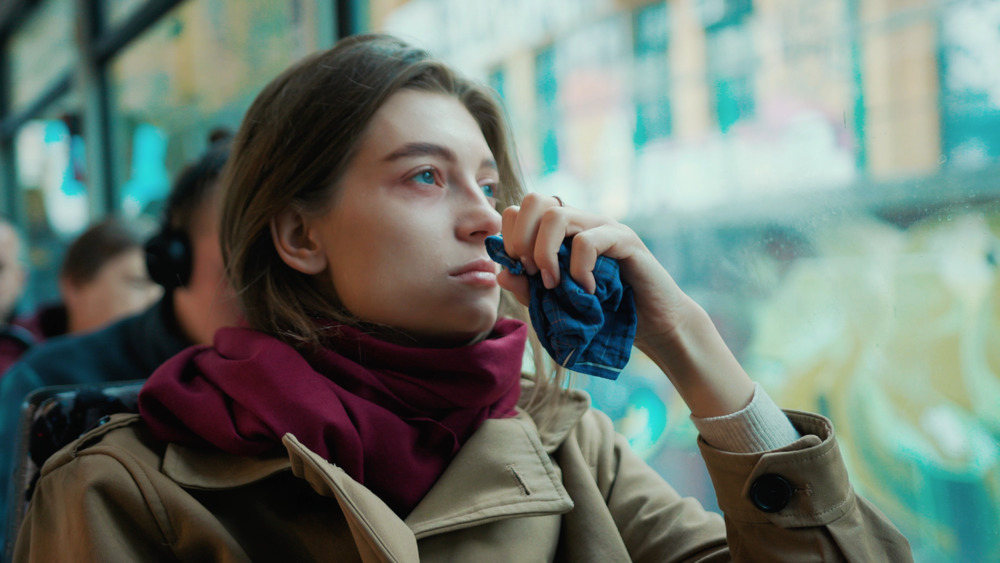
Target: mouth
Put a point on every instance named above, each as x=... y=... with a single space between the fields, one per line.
x=482 y=272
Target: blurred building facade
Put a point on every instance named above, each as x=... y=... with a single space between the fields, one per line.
x=822 y=175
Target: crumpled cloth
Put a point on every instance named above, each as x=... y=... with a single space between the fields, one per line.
x=586 y=333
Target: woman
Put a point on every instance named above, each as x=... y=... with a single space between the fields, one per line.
x=374 y=408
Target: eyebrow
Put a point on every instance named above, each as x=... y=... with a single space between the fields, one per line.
x=410 y=150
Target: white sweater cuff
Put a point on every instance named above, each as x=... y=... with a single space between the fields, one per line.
x=758 y=427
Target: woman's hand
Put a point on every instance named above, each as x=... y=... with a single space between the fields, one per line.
x=534 y=231
x=672 y=329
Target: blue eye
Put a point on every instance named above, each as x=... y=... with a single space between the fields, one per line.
x=489 y=190
x=424 y=177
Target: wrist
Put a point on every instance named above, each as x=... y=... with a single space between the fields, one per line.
x=689 y=349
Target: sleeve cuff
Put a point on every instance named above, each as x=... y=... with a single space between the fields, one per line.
x=758 y=427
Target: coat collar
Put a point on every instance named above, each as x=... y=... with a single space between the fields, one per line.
x=558 y=417
x=503 y=464
x=209 y=469
x=503 y=471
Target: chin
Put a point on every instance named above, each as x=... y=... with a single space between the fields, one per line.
x=443 y=327
x=485 y=321
x=475 y=331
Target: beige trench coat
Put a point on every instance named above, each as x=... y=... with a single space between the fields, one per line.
x=576 y=493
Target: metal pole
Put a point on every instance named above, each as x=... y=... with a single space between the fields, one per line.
x=92 y=78
x=10 y=203
x=346 y=18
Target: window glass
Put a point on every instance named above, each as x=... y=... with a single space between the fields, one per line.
x=195 y=71
x=41 y=50
x=970 y=85
x=821 y=176
x=52 y=176
x=585 y=113
x=548 y=109
x=651 y=76
x=730 y=64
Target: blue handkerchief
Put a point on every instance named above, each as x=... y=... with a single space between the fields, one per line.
x=586 y=333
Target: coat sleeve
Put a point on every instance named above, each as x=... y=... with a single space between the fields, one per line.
x=624 y=510
x=796 y=503
x=822 y=518
x=92 y=508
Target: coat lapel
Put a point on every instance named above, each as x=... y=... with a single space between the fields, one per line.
x=378 y=533
x=503 y=471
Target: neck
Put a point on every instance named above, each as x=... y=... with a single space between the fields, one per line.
x=190 y=320
x=413 y=340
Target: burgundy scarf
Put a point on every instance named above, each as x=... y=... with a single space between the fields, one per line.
x=391 y=416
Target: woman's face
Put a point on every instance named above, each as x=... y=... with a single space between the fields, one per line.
x=404 y=237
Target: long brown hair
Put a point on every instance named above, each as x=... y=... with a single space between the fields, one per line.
x=296 y=142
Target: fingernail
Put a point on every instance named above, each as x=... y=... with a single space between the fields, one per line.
x=529 y=266
x=547 y=280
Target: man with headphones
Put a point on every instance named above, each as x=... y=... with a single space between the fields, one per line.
x=186 y=259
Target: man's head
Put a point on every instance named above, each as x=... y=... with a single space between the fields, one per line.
x=12 y=271
x=185 y=257
x=103 y=277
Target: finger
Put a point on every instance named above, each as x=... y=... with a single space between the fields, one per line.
x=587 y=246
x=525 y=228
x=518 y=285
x=508 y=228
x=558 y=224
x=507 y=219
x=553 y=228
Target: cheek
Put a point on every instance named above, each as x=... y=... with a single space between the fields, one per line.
x=375 y=275
x=363 y=276
x=129 y=302
x=124 y=298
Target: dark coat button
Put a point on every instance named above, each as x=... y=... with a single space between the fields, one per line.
x=770 y=492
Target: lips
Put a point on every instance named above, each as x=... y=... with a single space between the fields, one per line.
x=478 y=273
x=483 y=265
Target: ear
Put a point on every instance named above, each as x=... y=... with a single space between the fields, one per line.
x=296 y=242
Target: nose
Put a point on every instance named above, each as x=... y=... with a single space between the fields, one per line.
x=478 y=217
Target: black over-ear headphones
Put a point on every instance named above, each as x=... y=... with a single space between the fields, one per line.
x=168 y=258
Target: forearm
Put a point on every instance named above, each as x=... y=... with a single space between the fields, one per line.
x=692 y=353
